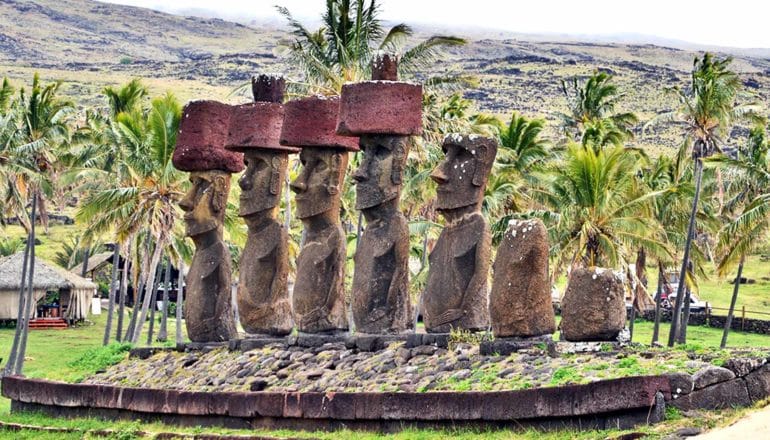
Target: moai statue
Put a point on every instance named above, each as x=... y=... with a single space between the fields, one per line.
x=593 y=307
x=520 y=303
x=255 y=129
x=200 y=151
x=384 y=113
x=456 y=293
x=319 y=290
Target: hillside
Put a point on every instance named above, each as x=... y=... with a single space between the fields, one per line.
x=88 y=45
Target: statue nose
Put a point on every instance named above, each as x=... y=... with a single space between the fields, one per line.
x=438 y=175
x=245 y=182
x=361 y=175
x=298 y=186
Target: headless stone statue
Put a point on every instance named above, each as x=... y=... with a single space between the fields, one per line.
x=456 y=294
x=319 y=291
x=384 y=112
x=263 y=296
x=200 y=151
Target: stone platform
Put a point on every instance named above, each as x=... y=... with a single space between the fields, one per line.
x=619 y=403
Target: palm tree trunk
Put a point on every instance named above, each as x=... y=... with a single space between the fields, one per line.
x=154 y=302
x=179 y=303
x=163 y=332
x=123 y=292
x=111 y=298
x=30 y=294
x=682 y=337
x=656 y=326
x=84 y=267
x=43 y=211
x=729 y=320
x=147 y=292
x=686 y=257
x=22 y=300
x=143 y=269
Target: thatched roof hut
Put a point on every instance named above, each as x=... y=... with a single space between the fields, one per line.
x=75 y=293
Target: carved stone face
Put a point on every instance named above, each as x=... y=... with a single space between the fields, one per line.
x=318 y=184
x=378 y=178
x=261 y=182
x=204 y=204
x=462 y=175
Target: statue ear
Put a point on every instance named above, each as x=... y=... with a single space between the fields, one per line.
x=399 y=160
x=275 y=175
x=335 y=173
x=219 y=197
x=480 y=173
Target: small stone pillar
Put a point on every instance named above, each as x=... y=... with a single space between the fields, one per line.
x=255 y=129
x=319 y=291
x=200 y=151
x=593 y=307
x=384 y=113
x=456 y=294
x=520 y=303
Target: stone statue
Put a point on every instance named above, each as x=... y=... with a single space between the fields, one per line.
x=456 y=293
x=319 y=291
x=263 y=296
x=520 y=303
x=199 y=150
x=380 y=294
x=593 y=307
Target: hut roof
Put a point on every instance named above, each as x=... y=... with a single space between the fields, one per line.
x=94 y=262
x=47 y=275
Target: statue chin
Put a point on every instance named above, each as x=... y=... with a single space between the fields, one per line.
x=368 y=198
x=194 y=229
x=311 y=209
x=247 y=208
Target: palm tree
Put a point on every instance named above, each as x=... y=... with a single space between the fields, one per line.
x=343 y=47
x=521 y=154
x=601 y=213
x=45 y=133
x=145 y=198
x=708 y=110
x=126 y=99
x=592 y=117
x=749 y=229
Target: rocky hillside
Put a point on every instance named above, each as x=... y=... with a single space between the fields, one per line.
x=88 y=45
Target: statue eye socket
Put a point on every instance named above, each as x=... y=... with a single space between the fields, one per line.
x=321 y=165
x=381 y=151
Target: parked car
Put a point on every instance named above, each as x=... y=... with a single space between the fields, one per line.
x=696 y=305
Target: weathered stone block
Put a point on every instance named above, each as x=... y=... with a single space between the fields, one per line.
x=202 y=136
x=312 y=122
x=711 y=375
x=719 y=396
x=380 y=107
x=758 y=383
x=520 y=302
x=593 y=308
x=681 y=383
x=743 y=366
x=506 y=346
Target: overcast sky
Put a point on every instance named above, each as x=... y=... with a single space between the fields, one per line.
x=735 y=23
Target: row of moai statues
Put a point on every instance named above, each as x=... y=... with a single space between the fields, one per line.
x=378 y=118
